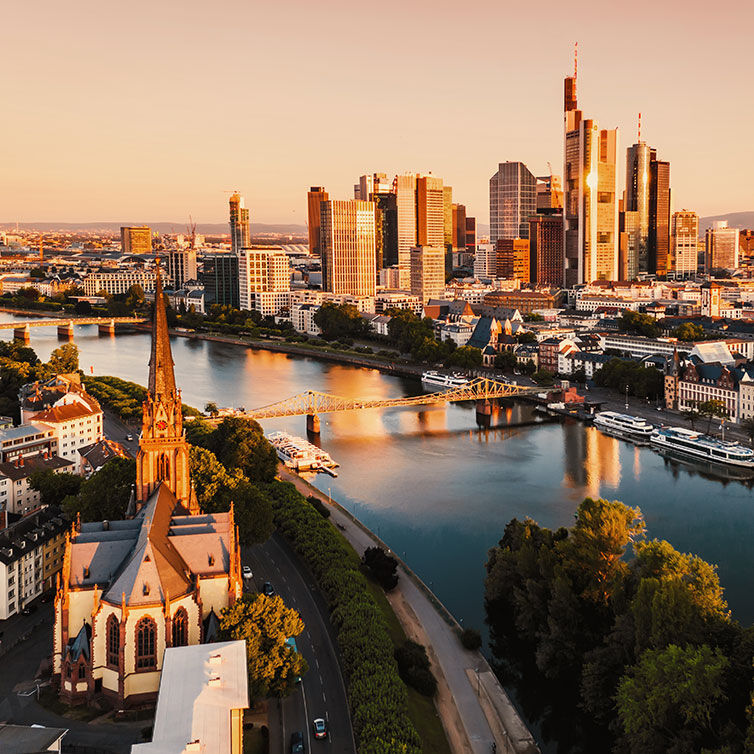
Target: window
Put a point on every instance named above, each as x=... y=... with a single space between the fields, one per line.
x=146 y=654
x=82 y=672
x=113 y=641
x=180 y=628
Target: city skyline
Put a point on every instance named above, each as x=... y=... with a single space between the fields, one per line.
x=157 y=144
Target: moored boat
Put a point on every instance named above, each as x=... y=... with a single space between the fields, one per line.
x=299 y=454
x=633 y=427
x=697 y=445
x=435 y=380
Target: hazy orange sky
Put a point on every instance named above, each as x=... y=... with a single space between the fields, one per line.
x=149 y=110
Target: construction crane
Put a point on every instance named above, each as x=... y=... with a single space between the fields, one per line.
x=191 y=228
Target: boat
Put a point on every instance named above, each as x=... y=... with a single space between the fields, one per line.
x=633 y=427
x=300 y=455
x=697 y=445
x=435 y=380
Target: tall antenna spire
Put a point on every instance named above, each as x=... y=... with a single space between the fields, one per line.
x=639 y=135
x=575 y=60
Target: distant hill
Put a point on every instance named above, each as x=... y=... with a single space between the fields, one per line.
x=162 y=227
x=735 y=220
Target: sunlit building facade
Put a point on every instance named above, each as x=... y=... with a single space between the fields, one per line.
x=685 y=242
x=513 y=200
x=240 y=227
x=136 y=239
x=427 y=272
x=513 y=259
x=262 y=269
x=546 y=250
x=721 y=247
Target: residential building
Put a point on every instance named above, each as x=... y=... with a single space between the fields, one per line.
x=525 y=301
x=513 y=259
x=721 y=247
x=19 y=739
x=459 y=332
x=182 y=267
x=27 y=440
x=96 y=455
x=220 y=278
x=314 y=198
x=685 y=242
x=550 y=348
x=427 y=272
x=546 y=249
x=203 y=695
x=386 y=300
x=130 y=589
x=261 y=268
x=118 y=282
x=513 y=200
x=16 y=493
x=302 y=318
x=31 y=553
x=239 y=223
x=136 y=240
x=349 y=247
x=710 y=300
x=702 y=382
x=590 y=196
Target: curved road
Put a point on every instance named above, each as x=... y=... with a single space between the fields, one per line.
x=322 y=691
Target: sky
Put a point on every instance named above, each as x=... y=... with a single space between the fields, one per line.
x=151 y=110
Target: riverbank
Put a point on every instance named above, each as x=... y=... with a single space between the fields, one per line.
x=472 y=721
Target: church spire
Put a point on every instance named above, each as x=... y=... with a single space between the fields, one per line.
x=161 y=374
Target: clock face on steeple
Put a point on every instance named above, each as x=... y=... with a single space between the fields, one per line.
x=162 y=424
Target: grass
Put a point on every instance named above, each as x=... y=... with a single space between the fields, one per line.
x=49 y=699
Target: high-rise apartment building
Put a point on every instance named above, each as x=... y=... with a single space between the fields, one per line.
x=513 y=200
x=182 y=266
x=721 y=251
x=262 y=269
x=589 y=196
x=485 y=261
x=513 y=259
x=348 y=232
x=685 y=242
x=240 y=228
x=136 y=239
x=220 y=279
x=546 y=249
x=427 y=272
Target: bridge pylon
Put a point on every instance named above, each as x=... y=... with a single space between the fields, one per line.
x=106 y=328
x=65 y=331
x=312 y=424
x=22 y=334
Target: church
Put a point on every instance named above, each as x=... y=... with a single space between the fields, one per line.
x=130 y=589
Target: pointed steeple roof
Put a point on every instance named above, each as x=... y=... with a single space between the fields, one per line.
x=161 y=374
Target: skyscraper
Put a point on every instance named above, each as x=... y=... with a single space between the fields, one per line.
x=314 y=198
x=404 y=187
x=182 y=266
x=349 y=247
x=240 y=231
x=590 y=196
x=430 y=211
x=638 y=158
x=513 y=200
x=470 y=234
x=659 y=215
x=427 y=272
x=685 y=243
x=513 y=259
x=448 y=216
x=220 y=279
x=136 y=239
x=458 y=237
x=721 y=247
x=546 y=249
x=262 y=269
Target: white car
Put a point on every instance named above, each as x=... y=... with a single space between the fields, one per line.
x=246 y=570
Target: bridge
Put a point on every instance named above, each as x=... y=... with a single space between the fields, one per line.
x=65 y=326
x=312 y=403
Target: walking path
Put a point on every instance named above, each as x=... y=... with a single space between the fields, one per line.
x=474 y=715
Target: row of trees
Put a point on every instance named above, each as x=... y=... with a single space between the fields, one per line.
x=641 y=381
x=637 y=655
x=377 y=696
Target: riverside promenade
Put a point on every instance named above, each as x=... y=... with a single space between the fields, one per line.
x=474 y=708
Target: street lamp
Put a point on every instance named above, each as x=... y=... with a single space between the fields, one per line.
x=626 y=396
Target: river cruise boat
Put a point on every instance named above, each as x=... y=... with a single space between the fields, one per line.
x=633 y=427
x=300 y=455
x=697 y=445
x=436 y=380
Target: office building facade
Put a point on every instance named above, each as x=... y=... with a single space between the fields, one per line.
x=546 y=250
x=220 y=280
x=721 y=252
x=348 y=233
x=513 y=259
x=240 y=225
x=182 y=266
x=513 y=200
x=427 y=272
x=262 y=269
x=136 y=239
x=685 y=243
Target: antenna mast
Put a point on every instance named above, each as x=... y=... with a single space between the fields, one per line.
x=639 y=139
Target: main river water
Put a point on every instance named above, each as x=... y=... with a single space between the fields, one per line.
x=435 y=487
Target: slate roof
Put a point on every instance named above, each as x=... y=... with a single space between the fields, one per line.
x=99 y=453
x=482 y=333
x=26 y=739
x=29 y=464
x=30 y=532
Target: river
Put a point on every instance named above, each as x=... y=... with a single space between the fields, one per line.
x=433 y=485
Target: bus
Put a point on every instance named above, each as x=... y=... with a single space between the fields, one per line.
x=291 y=642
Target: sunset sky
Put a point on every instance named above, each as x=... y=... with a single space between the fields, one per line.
x=150 y=110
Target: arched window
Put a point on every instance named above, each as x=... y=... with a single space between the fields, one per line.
x=82 y=671
x=113 y=641
x=180 y=628
x=146 y=644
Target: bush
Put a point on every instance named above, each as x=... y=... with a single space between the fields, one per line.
x=381 y=567
x=413 y=666
x=471 y=639
x=318 y=506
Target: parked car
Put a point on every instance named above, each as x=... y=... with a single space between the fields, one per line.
x=246 y=570
x=319 y=726
x=29 y=609
x=297 y=743
x=129 y=438
x=268 y=589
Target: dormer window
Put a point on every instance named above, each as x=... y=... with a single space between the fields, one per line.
x=145 y=588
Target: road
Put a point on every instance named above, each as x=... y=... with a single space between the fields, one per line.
x=115 y=429
x=322 y=691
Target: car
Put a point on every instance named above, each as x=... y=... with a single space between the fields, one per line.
x=297 y=743
x=268 y=589
x=29 y=609
x=246 y=570
x=129 y=438
x=319 y=726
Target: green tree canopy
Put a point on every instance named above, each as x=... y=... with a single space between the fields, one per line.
x=688 y=332
x=466 y=357
x=54 y=487
x=340 y=321
x=105 y=495
x=241 y=444
x=64 y=359
x=641 y=324
x=265 y=624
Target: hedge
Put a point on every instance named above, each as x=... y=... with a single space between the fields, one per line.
x=376 y=694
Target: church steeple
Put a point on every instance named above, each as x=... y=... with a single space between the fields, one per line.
x=161 y=373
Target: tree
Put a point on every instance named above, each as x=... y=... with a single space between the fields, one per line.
x=748 y=426
x=713 y=409
x=265 y=624
x=688 y=332
x=690 y=415
x=670 y=696
x=526 y=337
x=64 y=359
x=340 y=321
x=241 y=444
x=105 y=495
x=211 y=409
x=82 y=307
x=543 y=377
x=641 y=324
x=54 y=487
x=381 y=566
x=466 y=357
x=135 y=298
x=506 y=360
